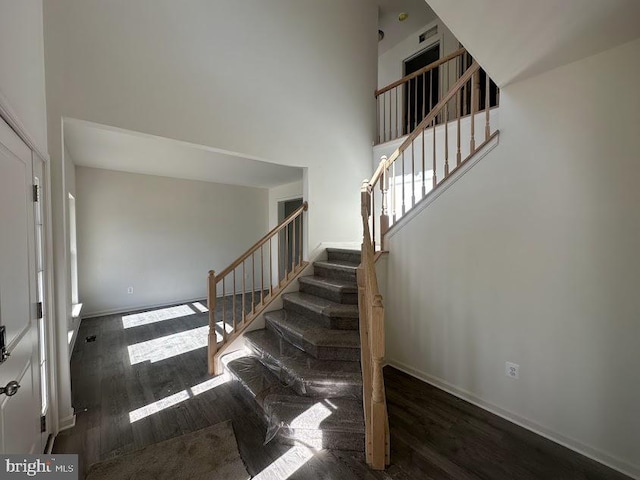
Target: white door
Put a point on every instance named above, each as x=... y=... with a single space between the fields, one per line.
x=20 y=412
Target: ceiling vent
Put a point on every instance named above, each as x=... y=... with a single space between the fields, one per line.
x=428 y=34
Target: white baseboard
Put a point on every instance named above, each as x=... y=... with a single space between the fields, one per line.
x=74 y=338
x=67 y=422
x=117 y=311
x=594 y=454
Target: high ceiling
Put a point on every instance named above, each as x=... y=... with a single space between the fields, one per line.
x=516 y=39
x=100 y=146
x=394 y=30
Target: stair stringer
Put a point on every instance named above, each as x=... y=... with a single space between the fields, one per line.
x=455 y=175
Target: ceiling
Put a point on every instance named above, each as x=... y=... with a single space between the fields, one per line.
x=516 y=39
x=110 y=148
x=420 y=14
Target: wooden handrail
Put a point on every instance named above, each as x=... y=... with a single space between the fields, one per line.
x=262 y=241
x=425 y=122
x=242 y=304
x=431 y=66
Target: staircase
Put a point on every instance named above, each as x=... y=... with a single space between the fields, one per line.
x=303 y=373
x=315 y=372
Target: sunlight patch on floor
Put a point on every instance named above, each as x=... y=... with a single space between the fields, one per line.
x=312 y=417
x=209 y=384
x=156 y=407
x=169 y=346
x=153 y=316
x=200 y=307
x=177 y=398
x=286 y=465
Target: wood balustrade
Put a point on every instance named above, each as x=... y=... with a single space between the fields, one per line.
x=371 y=311
x=403 y=104
x=444 y=140
x=240 y=293
x=401 y=182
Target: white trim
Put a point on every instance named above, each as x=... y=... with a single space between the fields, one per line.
x=76 y=309
x=110 y=128
x=62 y=284
x=590 y=452
x=67 y=422
x=74 y=337
x=288 y=198
x=135 y=308
x=51 y=304
x=456 y=175
x=9 y=115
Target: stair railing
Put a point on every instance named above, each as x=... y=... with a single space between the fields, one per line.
x=401 y=105
x=371 y=312
x=464 y=105
x=444 y=140
x=240 y=293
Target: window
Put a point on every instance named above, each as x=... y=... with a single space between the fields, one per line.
x=73 y=250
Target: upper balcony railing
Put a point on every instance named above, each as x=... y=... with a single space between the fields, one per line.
x=443 y=140
x=403 y=104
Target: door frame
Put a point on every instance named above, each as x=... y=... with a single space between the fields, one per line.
x=437 y=42
x=281 y=204
x=47 y=266
x=11 y=118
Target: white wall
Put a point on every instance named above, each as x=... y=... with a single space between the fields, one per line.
x=158 y=235
x=517 y=39
x=532 y=257
x=22 y=88
x=288 y=81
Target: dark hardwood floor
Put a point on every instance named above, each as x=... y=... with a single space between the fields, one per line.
x=121 y=407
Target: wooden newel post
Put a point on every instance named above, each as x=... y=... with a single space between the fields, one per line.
x=378 y=407
x=211 y=304
x=365 y=199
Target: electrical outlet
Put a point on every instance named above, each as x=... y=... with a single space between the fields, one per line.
x=129 y=290
x=512 y=370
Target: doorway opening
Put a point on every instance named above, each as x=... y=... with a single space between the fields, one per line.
x=422 y=92
x=288 y=250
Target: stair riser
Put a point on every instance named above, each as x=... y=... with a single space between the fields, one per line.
x=328 y=272
x=302 y=437
x=333 y=295
x=320 y=352
x=353 y=257
x=303 y=387
x=240 y=391
x=338 y=323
